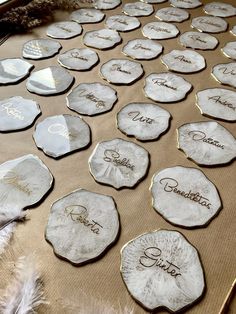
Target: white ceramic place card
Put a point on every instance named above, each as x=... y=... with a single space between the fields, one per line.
x=186 y=4
x=142 y=49
x=185 y=196
x=160 y=30
x=118 y=163
x=197 y=40
x=122 y=23
x=233 y=30
x=144 y=121
x=218 y=103
x=64 y=30
x=184 y=61
x=207 y=143
x=166 y=87
x=17 y=113
x=225 y=73
x=102 y=38
x=49 y=81
x=14 y=70
x=209 y=24
x=87 y=16
x=172 y=14
x=220 y=9
x=62 y=134
x=79 y=59
x=161 y=269
x=106 y=4
x=40 y=48
x=91 y=98
x=137 y=9
x=82 y=225
x=121 y=71
x=229 y=50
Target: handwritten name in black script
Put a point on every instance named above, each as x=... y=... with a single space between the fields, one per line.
x=159 y=29
x=201 y=136
x=89 y=95
x=197 y=38
x=218 y=99
x=114 y=157
x=182 y=58
x=139 y=46
x=136 y=116
x=163 y=82
x=225 y=70
x=117 y=67
x=171 y=185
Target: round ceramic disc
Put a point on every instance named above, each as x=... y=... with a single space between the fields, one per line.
x=184 y=61
x=13 y=70
x=79 y=59
x=185 y=4
x=64 y=30
x=122 y=23
x=106 y=4
x=207 y=143
x=225 y=73
x=49 y=81
x=91 y=98
x=24 y=181
x=137 y=9
x=62 y=134
x=121 y=71
x=233 y=31
x=142 y=49
x=102 y=39
x=185 y=196
x=153 y=1
x=198 y=40
x=209 y=24
x=160 y=30
x=87 y=16
x=166 y=87
x=218 y=103
x=144 y=121
x=82 y=225
x=17 y=113
x=230 y=50
x=220 y=9
x=171 y=14
x=40 y=48
x=119 y=163
x=161 y=269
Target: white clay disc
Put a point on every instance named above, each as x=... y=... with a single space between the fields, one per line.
x=142 y=49
x=14 y=70
x=197 y=40
x=40 y=48
x=225 y=73
x=171 y=14
x=160 y=30
x=122 y=23
x=106 y=4
x=229 y=50
x=209 y=24
x=102 y=38
x=185 y=4
x=64 y=30
x=220 y=9
x=137 y=9
x=87 y=16
x=233 y=31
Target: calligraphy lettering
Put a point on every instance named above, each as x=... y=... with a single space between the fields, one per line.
x=114 y=157
x=201 y=136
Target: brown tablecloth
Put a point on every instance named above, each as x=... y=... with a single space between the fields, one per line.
x=101 y=279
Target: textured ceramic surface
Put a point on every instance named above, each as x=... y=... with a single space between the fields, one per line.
x=49 y=81
x=121 y=71
x=198 y=40
x=144 y=121
x=166 y=87
x=61 y=134
x=41 y=48
x=160 y=30
x=87 y=16
x=142 y=49
x=102 y=38
x=106 y=4
x=225 y=73
x=82 y=225
x=118 y=163
x=185 y=4
x=207 y=143
x=122 y=23
x=209 y=24
x=91 y=98
x=137 y=9
x=220 y=9
x=218 y=103
x=185 y=196
x=79 y=59
x=171 y=14
x=24 y=181
x=17 y=113
x=13 y=70
x=229 y=50
x=162 y=269
x=184 y=61
x=64 y=30
x=233 y=31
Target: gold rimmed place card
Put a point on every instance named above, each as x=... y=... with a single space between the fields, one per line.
x=118 y=163
x=64 y=30
x=62 y=134
x=160 y=30
x=41 y=48
x=161 y=269
x=233 y=31
x=229 y=50
x=87 y=16
x=209 y=24
x=14 y=70
x=197 y=40
x=137 y=9
x=172 y=14
x=82 y=225
x=144 y=121
x=185 y=196
x=220 y=9
x=142 y=49
x=102 y=38
x=186 y=4
x=106 y=4
x=206 y=143
x=17 y=113
x=122 y=23
x=225 y=73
